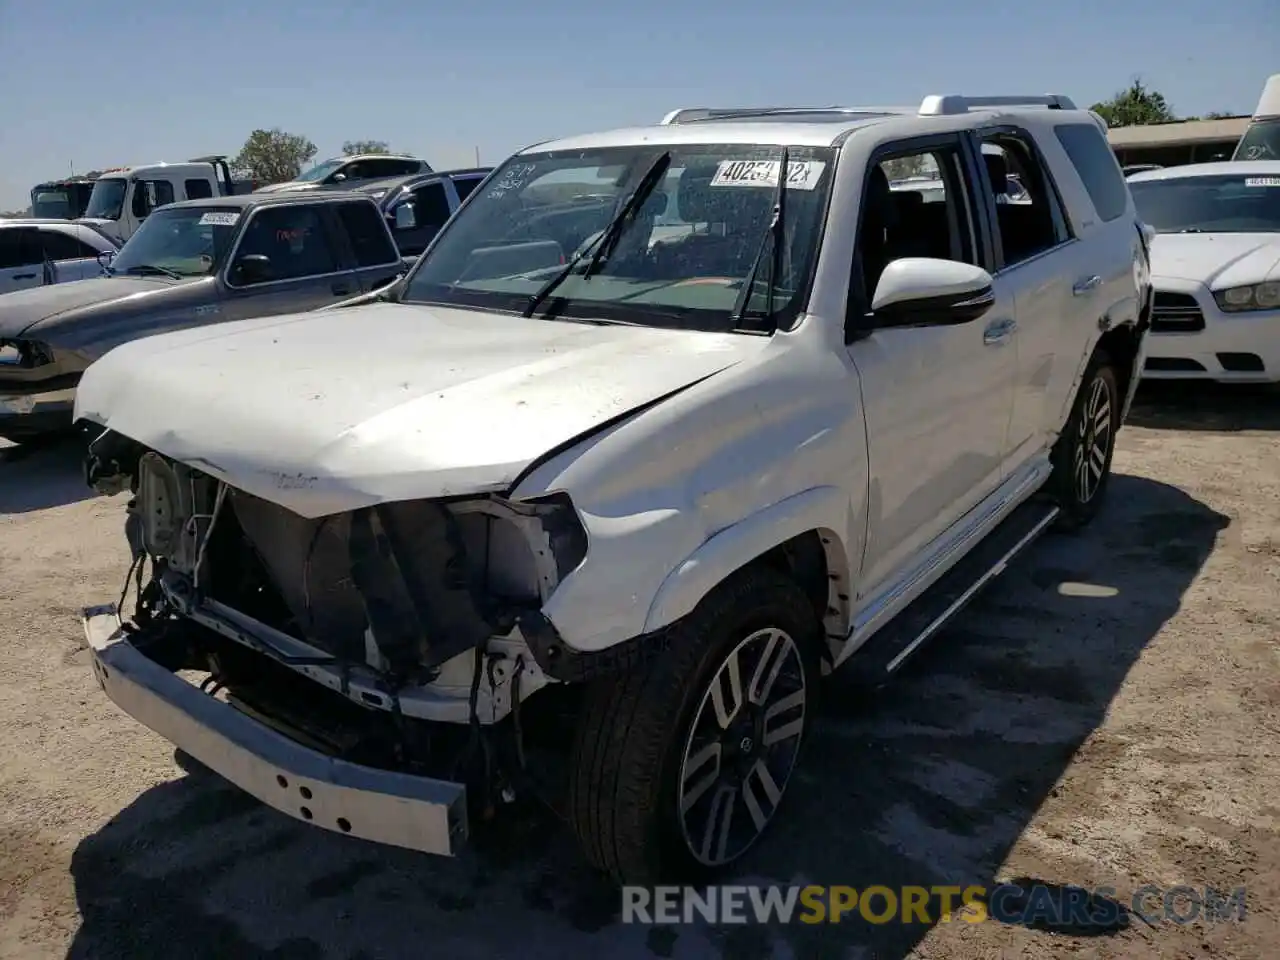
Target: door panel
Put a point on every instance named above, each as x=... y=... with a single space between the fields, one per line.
x=936 y=400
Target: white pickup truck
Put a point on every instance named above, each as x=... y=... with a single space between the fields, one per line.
x=123 y=197
x=654 y=463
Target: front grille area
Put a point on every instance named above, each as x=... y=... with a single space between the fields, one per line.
x=1176 y=313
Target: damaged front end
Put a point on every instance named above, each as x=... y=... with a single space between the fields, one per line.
x=409 y=614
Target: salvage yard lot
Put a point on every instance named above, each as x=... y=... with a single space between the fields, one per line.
x=1107 y=713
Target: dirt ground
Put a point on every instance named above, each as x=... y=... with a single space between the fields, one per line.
x=1107 y=713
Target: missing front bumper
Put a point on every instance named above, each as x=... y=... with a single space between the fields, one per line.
x=399 y=809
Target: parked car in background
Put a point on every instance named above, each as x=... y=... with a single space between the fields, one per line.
x=417 y=207
x=341 y=173
x=190 y=264
x=1215 y=261
x=61 y=199
x=38 y=252
x=755 y=427
x=124 y=197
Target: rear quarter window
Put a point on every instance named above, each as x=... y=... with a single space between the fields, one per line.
x=1099 y=170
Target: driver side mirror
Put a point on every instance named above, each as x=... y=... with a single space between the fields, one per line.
x=925 y=292
x=405 y=218
x=250 y=269
x=339 y=177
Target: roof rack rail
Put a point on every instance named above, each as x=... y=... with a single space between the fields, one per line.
x=693 y=114
x=949 y=104
x=212 y=158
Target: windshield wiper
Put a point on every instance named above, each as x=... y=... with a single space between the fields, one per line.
x=151 y=270
x=609 y=236
x=776 y=233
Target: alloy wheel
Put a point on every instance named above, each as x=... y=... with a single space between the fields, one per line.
x=742 y=747
x=1093 y=440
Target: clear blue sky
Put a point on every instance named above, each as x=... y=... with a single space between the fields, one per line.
x=99 y=84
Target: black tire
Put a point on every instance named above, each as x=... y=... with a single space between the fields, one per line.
x=1077 y=484
x=637 y=729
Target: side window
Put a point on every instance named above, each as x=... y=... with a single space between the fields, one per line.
x=293 y=240
x=198 y=189
x=464 y=186
x=19 y=248
x=1096 y=163
x=1029 y=218
x=149 y=194
x=431 y=205
x=367 y=234
x=63 y=246
x=914 y=205
x=359 y=170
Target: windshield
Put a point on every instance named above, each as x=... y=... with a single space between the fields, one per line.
x=107 y=199
x=681 y=261
x=319 y=171
x=1261 y=141
x=186 y=241
x=1227 y=203
x=52 y=203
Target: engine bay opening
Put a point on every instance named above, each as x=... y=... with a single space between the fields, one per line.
x=401 y=588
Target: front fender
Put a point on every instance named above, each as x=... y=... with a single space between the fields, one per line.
x=820 y=508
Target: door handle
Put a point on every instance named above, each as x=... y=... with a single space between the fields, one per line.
x=1085 y=285
x=340 y=289
x=24 y=276
x=998 y=331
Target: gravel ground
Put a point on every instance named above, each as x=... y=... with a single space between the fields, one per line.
x=1107 y=713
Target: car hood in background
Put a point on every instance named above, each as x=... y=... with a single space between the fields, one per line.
x=1218 y=260
x=341 y=409
x=22 y=309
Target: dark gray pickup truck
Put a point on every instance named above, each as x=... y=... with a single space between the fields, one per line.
x=192 y=263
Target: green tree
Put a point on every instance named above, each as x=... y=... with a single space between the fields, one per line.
x=1135 y=106
x=273 y=156
x=353 y=147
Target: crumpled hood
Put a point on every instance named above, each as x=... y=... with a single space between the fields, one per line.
x=23 y=308
x=338 y=409
x=1217 y=260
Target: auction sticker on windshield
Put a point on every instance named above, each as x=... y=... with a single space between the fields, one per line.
x=801 y=174
x=219 y=218
x=1262 y=181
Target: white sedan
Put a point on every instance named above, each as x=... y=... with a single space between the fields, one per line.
x=1215 y=265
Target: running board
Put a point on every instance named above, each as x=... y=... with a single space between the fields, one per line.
x=886 y=650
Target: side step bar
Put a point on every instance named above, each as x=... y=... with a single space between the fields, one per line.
x=888 y=648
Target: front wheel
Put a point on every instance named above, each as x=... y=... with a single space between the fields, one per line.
x=679 y=767
x=1082 y=455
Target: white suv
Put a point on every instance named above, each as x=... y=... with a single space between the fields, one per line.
x=681 y=471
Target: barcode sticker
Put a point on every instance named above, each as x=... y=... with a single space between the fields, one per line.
x=801 y=174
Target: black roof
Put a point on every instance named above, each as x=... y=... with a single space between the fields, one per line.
x=397 y=183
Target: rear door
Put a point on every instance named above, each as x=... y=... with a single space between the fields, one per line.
x=307 y=269
x=376 y=259
x=1036 y=258
x=21 y=259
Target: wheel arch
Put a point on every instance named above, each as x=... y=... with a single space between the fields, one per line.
x=798 y=536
